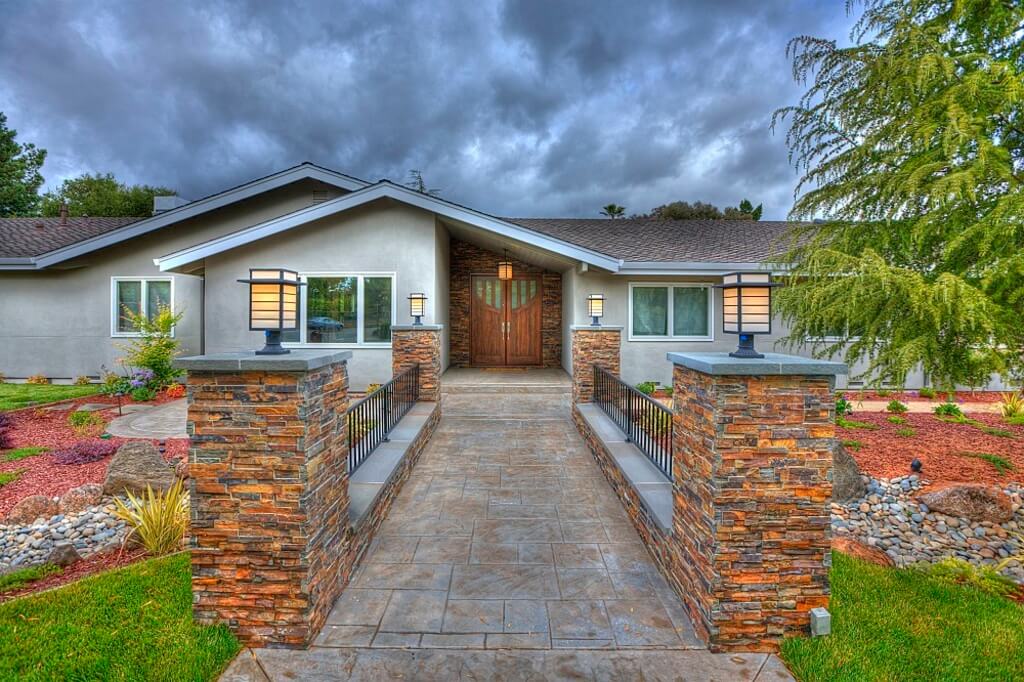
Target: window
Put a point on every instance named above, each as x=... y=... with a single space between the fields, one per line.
x=670 y=311
x=343 y=309
x=139 y=296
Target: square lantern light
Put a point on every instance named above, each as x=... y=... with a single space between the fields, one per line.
x=273 y=305
x=595 y=308
x=747 y=308
x=417 y=303
x=505 y=268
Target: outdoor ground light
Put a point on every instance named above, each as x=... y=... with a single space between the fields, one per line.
x=273 y=305
x=747 y=309
x=416 y=304
x=595 y=308
x=505 y=268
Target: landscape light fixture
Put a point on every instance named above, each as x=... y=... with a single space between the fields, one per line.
x=747 y=309
x=417 y=302
x=273 y=305
x=595 y=308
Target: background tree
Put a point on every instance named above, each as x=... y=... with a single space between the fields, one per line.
x=683 y=210
x=613 y=211
x=749 y=209
x=416 y=182
x=20 y=178
x=102 y=195
x=911 y=143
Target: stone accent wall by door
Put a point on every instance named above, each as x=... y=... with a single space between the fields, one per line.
x=419 y=344
x=468 y=260
x=593 y=345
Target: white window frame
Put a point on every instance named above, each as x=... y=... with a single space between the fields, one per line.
x=114 y=312
x=360 y=309
x=671 y=311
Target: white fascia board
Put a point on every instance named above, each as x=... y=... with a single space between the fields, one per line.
x=688 y=268
x=195 y=208
x=382 y=190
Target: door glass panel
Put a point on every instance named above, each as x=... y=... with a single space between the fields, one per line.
x=514 y=302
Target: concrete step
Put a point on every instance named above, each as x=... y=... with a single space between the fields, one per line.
x=506 y=388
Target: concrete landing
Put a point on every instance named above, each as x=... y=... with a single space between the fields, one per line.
x=160 y=422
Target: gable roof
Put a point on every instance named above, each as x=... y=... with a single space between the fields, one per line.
x=389 y=190
x=27 y=237
x=105 y=233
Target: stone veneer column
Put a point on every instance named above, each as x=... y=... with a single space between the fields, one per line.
x=269 y=488
x=593 y=346
x=752 y=450
x=411 y=344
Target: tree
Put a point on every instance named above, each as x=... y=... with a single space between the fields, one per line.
x=416 y=182
x=748 y=208
x=911 y=147
x=20 y=178
x=683 y=210
x=102 y=195
x=613 y=211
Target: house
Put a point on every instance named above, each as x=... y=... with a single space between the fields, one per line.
x=362 y=248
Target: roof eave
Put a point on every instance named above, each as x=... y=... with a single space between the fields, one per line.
x=688 y=267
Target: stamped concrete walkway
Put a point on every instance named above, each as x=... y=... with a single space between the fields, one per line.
x=506 y=538
x=158 y=421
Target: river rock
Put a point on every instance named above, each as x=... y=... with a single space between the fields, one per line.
x=80 y=498
x=137 y=464
x=847 y=484
x=974 y=501
x=31 y=508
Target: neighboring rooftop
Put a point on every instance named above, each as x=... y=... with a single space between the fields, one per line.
x=642 y=239
x=27 y=237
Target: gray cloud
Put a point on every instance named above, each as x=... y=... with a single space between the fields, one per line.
x=517 y=108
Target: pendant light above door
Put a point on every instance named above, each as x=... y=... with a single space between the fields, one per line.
x=505 y=268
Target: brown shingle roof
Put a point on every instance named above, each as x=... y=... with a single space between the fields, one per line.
x=639 y=239
x=25 y=237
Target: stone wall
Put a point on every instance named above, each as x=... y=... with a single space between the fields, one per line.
x=269 y=498
x=467 y=260
x=419 y=344
x=590 y=346
x=752 y=458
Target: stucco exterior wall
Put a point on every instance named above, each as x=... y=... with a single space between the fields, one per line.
x=442 y=262
x=380 y=238
x=57 y=322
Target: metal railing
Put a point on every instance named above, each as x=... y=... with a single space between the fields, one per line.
x=646 y=422
x=371 y=419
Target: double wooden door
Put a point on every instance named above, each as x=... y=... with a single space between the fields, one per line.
x=505 y=321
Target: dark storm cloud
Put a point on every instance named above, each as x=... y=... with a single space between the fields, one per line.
x=515 y=108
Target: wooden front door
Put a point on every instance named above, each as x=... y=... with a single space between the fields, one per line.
x=505 y=319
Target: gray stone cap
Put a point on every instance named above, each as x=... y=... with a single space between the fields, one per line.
x=599 y=328
x=770 y=364
x=299 y=360
x=417 y=327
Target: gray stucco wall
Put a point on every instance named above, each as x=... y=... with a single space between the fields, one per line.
x=442 y=261
x=568 y=317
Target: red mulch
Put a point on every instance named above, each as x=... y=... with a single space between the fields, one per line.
x=94 y=564
x=883 y=454
x=34 y=426
x=854 y=395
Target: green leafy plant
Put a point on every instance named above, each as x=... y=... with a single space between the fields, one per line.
x=155 y=347
x=998 y=433
x=24 y=576
x=37 y=380
x=114 y=384
x=843 y=406
x=851 y=424
x=1000 y=463
x=158 y=520
x=175 y=391
x=948 y=409
x=852 y=444
x=896 y=420
x=1015 y=421
x=883 y=393
x=646 y=387
x=10 y=476
x=906 y=432
x=927 y=392
x=955 y=571
x=80 y=418
x=22 y=453
x=896 y=407
x=1011 y=405
x=82 y=380
x=143 y=394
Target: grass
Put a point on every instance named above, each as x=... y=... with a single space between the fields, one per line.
x=906 y=432
x=134 y=623
x=896 y=420
x=890 y=624
x=845 y=423
x=21 y=453
x=14 y=396
x=24 y=576
x=999 y=433
x=1015 y=421
x=10 y=476
x=853 y=444
x=1001 y=464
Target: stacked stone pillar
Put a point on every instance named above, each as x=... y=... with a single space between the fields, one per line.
x=593 y=346
x=752 y=448
x=269 y=490
x=419 y=344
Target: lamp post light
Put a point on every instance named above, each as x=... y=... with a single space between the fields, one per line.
x=417 y=302
x=595 y=308
x=505 y=268
x=273 y=305
x=747 y=309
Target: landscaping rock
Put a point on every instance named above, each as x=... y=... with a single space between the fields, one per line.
x=181 y=469
x=31 y=508
x=79 y=498
x=862 y=551
x=137 y=464
x=846 y=481
x=88 y=531
x=63 y=554
x=973 y=501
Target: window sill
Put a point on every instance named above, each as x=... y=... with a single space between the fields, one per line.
x=672 y=339
x=351 y=346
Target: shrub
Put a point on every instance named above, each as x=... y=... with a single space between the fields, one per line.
x=114 y=384
x=22 y=453
x=157 y=520
x=143 y=393
x=155 y=348
x=851 y=424
x=82 y=380
x=3 y=379
x=896 y=407
x=906 y=432
x=79 y=418
x=372 y=388
x=668 y=391
x=843 y=406
x=85 y=452
x=948 y=409
x=1011 y=405
x=955 y=571
x=10 y=476
x=6 y=439
x=1001 y=464
x=646 y=387
x=852 y=444
x=926 y=392
x=175 y=391
x=896 y=420
x=37 y=380
x=883 y=393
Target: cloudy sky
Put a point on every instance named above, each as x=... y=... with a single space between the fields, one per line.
x=524 y=108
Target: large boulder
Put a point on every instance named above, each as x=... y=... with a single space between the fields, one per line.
x=847 y=485
x=974 y=501
x=860 y=550
x=31 y=508
x=137 y=464
x=82 y=497
x=63 y=554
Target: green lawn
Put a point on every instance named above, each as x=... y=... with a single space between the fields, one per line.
x=131 y=624
x=890 y=624
x=13 y=396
